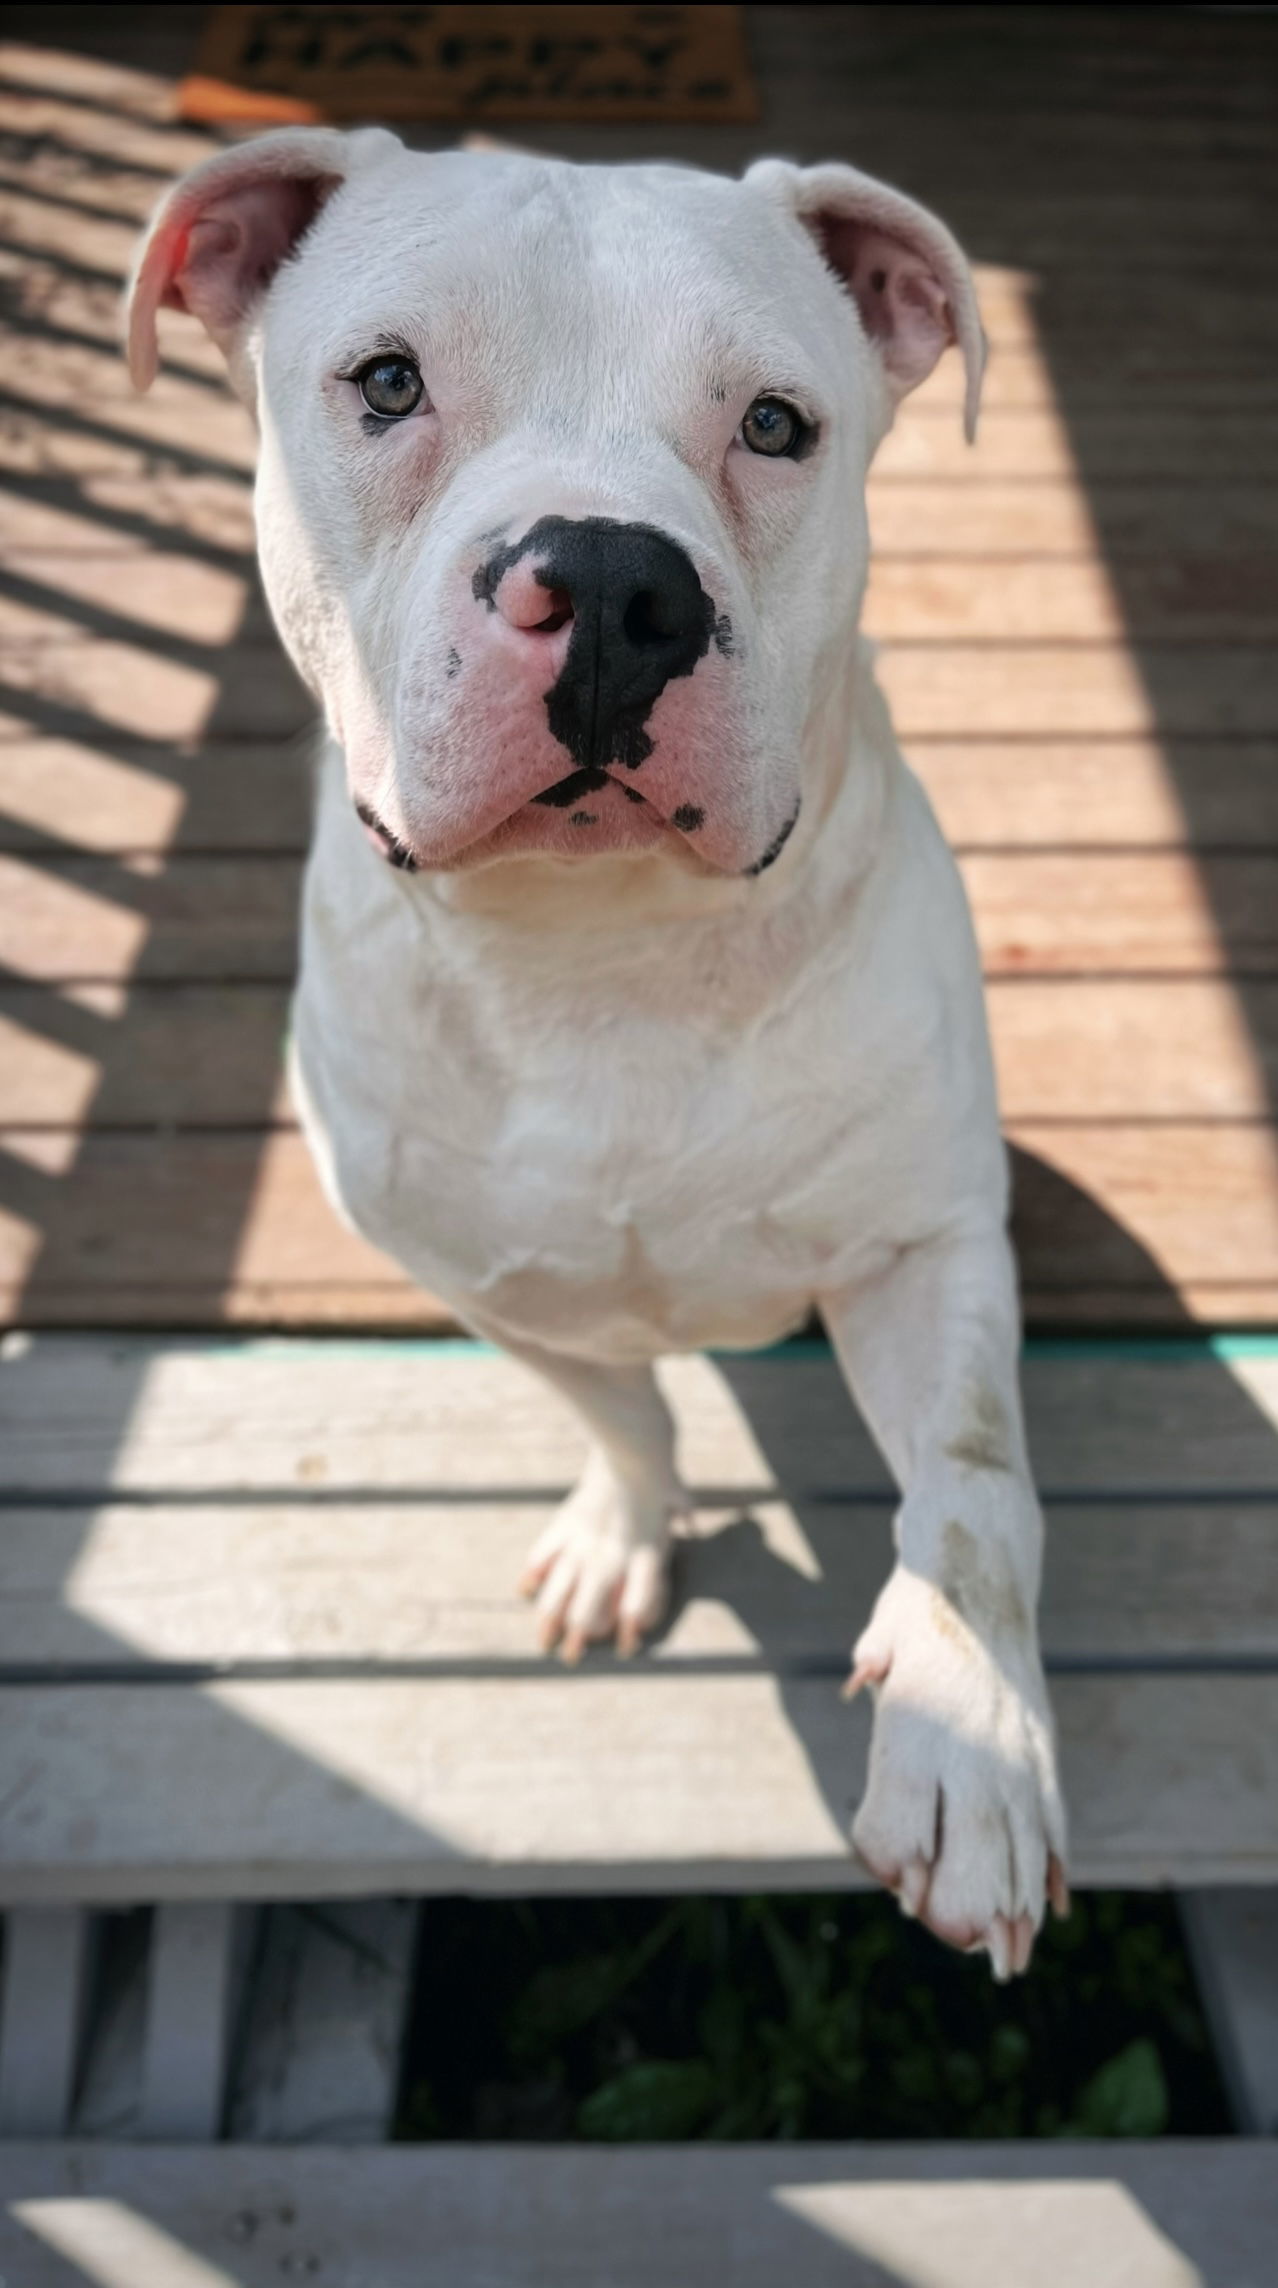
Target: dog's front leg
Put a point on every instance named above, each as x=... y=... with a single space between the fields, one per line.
x=601 y=1568
x=962 y=1814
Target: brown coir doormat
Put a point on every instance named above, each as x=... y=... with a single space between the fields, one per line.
x=276 y=64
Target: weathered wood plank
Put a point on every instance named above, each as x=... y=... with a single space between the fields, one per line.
x=91 y=917
x=1187 y=1048
x=1022 y=691
x=1091 y=792
x=993 y=517
x=113 y=571
x=377 y=1307
x=323 y=2023
x=49 y=664
x=234 y=1227
x=41 y=2018
x=931 y=595
x=1200 y=1203
x=234 y=917
x=132 y=795
x=1139 y=441
x=58 y=376
x=431 y=1582
x=1172 y=2214
x=1053 y=688
x=190 y=1998
x=129 y=485
x=314 y=1788
x=1041 y=600
x=171 y=1417
x=1233 y=1938
x=1156 y=1310
x=1070 y=912
x=119 y=1056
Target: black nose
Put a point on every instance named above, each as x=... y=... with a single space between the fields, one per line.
x=640 y=618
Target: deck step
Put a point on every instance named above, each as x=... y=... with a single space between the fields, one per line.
x=1166 y=2215
x=259 y=1637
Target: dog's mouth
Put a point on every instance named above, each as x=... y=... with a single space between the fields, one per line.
x=386 y=844
x=575 y=801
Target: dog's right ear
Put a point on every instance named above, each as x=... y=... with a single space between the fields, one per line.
x=221 y=234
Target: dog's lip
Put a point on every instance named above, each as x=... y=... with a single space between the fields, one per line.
x=403 y=855
x=386 y=844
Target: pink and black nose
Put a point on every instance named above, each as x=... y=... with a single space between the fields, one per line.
x=619 y=611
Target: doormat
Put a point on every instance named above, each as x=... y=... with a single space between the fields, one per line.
x=278 y=65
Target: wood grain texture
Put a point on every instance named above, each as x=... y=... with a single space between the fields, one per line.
x=1163 y=2215
x=121 y=794
x=431 y=1583
x=116 y=795
x=341 y=1525
x=167 y=1418
x=234 y=1227
x=234 y=916
x=1092 y=793
x=479 y=1784
x=1044 y=688
x=118 y=1055
x=1077 y=621
x=936 y=598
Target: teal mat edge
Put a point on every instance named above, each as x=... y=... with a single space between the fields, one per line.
x=1158 y=1349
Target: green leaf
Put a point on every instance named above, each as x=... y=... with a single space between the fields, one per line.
x=1009 y=2052
x=1126 y=2098
x=559 y=2000
x=655 y=2100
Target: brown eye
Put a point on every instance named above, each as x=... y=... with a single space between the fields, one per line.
x=773 y=427
x=391 y=387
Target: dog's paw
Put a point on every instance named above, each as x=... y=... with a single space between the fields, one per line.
x=601 y=1569
x=962 y=1815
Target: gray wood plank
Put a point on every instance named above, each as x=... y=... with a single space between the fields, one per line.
x=432 y=1582
x=41 y=2018
x=81 y=1415
x=1233 y=1937
x=1123 y=2215
x=647 y=1779
x=323 y=2017
x=190 y=1996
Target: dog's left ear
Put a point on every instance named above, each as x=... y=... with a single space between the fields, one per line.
x=219 y=237
x=907 y=275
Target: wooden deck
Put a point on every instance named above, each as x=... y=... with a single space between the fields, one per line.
x=258 y=1637
x=1077 y=622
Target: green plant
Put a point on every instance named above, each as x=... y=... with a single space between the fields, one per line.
x=640 y=2019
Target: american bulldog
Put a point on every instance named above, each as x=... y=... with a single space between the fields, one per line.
x=639 y=1005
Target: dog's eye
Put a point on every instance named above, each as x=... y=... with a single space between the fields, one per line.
x=391 y=386
x=773 y=427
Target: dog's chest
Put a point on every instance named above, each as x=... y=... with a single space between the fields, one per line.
x=567 y=1168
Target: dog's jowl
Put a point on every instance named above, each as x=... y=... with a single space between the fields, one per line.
x=639 y=1007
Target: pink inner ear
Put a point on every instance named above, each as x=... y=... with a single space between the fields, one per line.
x=233 y=248
x=903 y=304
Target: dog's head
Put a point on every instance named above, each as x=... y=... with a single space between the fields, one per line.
x=561 y=490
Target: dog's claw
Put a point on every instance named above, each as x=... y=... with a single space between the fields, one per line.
x=913 y=1889
x=865 y=1672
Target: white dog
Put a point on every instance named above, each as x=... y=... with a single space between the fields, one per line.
x=639 y=1005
